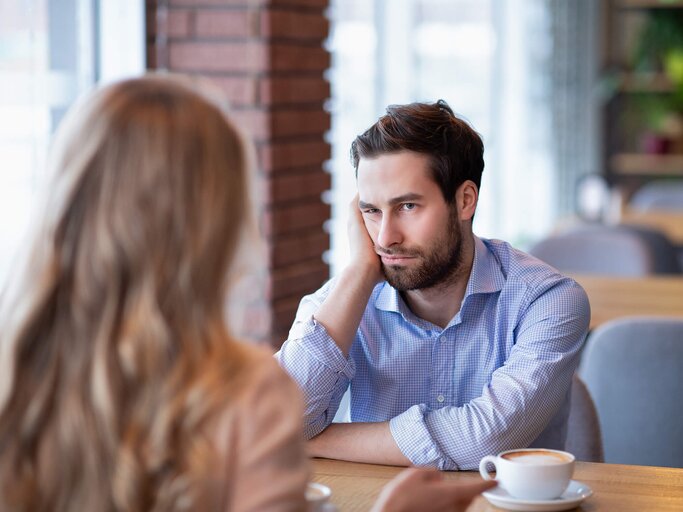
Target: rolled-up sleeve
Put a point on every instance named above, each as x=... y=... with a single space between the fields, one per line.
x=313 y=359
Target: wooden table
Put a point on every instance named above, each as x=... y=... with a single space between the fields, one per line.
x=615 y=487
x=616 y=297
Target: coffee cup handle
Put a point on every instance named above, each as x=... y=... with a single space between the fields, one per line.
x=482 y=467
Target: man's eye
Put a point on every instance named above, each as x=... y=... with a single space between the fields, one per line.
x=370 y=210
x=408 y=206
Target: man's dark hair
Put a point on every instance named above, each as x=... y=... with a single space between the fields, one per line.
x=456 y=151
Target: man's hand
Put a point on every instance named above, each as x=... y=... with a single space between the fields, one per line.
x=426 y=490
x=343 y=308
x=363 y=255
x=371 y=443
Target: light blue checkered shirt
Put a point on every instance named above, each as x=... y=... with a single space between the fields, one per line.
x=496 y=378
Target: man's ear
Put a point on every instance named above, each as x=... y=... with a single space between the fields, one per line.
x=467 y=196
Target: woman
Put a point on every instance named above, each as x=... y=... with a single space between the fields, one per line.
x=123 y=389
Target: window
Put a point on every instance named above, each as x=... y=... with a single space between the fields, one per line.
x=491 y=60
x=51 y=52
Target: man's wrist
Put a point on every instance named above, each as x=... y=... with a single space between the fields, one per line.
x=358 y=442
x=366 y=272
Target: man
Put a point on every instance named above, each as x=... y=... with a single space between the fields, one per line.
x=454 y=346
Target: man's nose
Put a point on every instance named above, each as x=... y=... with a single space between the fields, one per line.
x=389 y=234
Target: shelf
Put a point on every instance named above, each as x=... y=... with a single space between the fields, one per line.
x=637 y=164
x=649 y=4
x=645 y=83
x=633 y=97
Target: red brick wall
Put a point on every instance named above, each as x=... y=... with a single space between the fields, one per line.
x=268 y=58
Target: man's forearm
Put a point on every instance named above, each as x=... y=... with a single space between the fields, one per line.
x=371 y=443
x=343 y=308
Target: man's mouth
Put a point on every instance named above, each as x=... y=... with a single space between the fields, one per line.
x=395 y=259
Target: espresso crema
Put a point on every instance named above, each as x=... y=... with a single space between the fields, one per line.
x=537 y=457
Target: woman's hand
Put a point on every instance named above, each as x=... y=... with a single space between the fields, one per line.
x=426 y=490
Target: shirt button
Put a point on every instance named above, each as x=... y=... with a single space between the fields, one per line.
x=440 y=398
x=442 y=338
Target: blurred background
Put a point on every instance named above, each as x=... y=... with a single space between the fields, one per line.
x=579 y=103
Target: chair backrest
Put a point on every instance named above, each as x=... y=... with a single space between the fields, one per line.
x=633 y=370
x=659 y=195
x=597 y=250
x=666 y=256
x=584 y=439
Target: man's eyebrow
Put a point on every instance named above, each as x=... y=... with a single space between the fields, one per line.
x=405 y=198
x=393 y=201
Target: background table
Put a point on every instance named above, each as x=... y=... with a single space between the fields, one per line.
x=615 y=487
x=616 y=297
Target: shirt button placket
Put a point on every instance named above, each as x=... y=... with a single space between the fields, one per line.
x=441 y=370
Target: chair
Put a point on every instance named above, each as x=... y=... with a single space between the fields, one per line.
x=632 y=368
x=667 y=259
x=597 y=250
x=623 y=250
x=659 y=195
x=583 y=430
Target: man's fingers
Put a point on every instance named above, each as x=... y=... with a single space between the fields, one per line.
x=353 y=205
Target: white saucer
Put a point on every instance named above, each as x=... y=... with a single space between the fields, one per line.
x=576 y=492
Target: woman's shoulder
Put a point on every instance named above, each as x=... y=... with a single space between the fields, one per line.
x=260 y=437
x=261 y=375
x=262 y=396
x=258 y=358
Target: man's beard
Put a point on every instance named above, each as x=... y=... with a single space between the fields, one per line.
x=441 y=261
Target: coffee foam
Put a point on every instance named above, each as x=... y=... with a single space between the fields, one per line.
x=536 y=457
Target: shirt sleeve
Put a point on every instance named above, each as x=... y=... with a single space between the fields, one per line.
x=309 y=356
x=271 y=468
x=522 y=396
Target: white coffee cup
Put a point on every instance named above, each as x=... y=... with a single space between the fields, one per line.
x=317 y=497
x=531 y=473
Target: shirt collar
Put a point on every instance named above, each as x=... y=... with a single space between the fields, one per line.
x=486 y=277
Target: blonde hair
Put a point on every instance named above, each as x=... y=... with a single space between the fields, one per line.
x=117 y=355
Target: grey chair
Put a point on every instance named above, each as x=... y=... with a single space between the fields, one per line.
x=584 y=439
x=622 y=250
x=633 y=370
x=659 y=195
x=666 y=256
x=597 y=250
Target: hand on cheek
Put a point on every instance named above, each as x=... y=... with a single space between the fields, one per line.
x=363 y=255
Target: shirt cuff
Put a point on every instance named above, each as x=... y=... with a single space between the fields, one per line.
x=415 y=441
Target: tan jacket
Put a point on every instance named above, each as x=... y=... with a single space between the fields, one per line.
x=261 y=437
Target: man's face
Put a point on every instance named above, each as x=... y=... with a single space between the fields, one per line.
x=416 y=233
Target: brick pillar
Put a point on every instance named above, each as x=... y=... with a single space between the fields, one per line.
x=268 y=58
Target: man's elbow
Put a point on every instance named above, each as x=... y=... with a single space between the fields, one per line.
x=314 y=425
